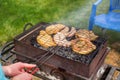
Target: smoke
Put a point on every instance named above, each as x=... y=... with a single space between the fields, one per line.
x=78 y=18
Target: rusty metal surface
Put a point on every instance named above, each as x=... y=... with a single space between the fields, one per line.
x=68 y=76
x=102 y=74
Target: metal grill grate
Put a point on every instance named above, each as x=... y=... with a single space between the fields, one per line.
x=67 y=52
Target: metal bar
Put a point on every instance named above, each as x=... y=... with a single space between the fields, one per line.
x=110 y=74
x=47 y=58
x=7 y=45
x=7 y=50
x=6 y=57
x=43 y=57
x=26 y=25
x=28 y=33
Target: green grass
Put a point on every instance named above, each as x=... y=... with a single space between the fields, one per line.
x=14 y=14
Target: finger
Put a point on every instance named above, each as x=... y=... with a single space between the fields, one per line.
x=29 y=65
x=23 y=65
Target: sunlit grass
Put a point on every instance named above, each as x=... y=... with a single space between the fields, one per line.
x=14 y=14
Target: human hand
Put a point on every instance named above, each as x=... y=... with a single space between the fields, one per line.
x=23 y=76
x=17 y=68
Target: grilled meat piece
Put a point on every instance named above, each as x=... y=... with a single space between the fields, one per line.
x=68 y=33
x=60 y=40
x=82 y=33
x=82 y=46
x=53 y=29
x=71 y=32
x=45 y=39
x=65 y=31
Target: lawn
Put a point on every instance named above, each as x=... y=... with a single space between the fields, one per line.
x=14 y=14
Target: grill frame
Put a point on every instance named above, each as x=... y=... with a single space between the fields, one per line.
x=57 y=62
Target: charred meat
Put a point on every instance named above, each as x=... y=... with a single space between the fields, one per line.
x=53 y=29
x=45 y=39
x=82 y=46
x=83 y=33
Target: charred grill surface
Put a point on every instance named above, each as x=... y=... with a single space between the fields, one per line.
x=67 y=52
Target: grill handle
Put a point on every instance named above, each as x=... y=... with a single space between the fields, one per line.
x=7 y=47
x=26 y=26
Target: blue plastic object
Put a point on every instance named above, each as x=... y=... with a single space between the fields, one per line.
x=111 y=20
x=2 y=76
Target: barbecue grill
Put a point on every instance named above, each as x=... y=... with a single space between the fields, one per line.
x=60 y=62
x=59 y=59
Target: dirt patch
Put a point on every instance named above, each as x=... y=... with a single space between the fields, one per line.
x=113 y=57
